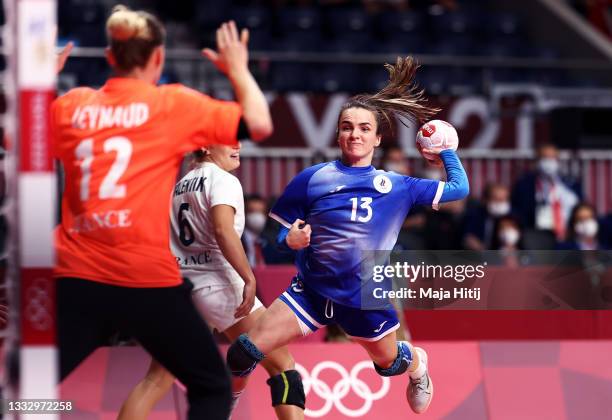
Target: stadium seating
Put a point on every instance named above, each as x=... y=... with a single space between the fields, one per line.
x=473 y=29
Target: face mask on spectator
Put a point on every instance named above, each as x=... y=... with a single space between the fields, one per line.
x=498 y=208
x=509 y=236
x=548 y=166
x=398 y=167
x=586 y=228
x=255 y=221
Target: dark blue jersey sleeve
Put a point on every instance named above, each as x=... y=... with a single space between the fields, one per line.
x=293 y=203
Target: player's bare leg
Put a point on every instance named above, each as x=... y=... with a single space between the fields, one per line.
x=277 y=327
x=275 y=363
x=384 y=351
x=156 y=383
x=392 y=357
x=158 y=380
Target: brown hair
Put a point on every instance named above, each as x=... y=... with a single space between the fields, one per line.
x=132 y=37
x=400 y=97
x=570 y=232
x=199 y=156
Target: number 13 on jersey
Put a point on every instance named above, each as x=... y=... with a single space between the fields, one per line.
x=364 y=205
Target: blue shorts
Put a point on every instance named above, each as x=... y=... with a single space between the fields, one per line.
x=317 y=311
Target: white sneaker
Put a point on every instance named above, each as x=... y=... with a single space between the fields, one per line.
x=420 y=390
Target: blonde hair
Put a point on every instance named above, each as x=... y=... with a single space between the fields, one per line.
x=124 y=24
x=400 y=97
x=132 y=36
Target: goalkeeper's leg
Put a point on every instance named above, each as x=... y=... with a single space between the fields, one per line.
x=139 y=404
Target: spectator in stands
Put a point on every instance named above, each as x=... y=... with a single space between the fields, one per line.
x=506 y=239
x=507 y=235
x=394 y=160
x=425 y=228
x=582 y=230
x=259 y=236
x=543 y=199
x=480 y=220
x=444 y=228
x=256 y=214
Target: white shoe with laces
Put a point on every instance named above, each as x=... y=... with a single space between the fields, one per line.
x=420 y=390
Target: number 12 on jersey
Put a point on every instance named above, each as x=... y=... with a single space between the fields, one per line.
x=365 y=205
x=109 y=187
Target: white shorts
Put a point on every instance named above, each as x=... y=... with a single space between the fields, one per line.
x=217 y=304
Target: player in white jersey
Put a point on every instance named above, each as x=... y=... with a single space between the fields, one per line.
x=207 y=221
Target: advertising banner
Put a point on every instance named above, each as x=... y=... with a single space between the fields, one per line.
x=310 y=120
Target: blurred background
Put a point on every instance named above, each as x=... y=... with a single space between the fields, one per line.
x=528 y=86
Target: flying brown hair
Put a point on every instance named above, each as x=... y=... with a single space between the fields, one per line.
x=400 y=97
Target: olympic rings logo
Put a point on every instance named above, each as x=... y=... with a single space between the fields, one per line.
x=38 y=305
x=349 y=381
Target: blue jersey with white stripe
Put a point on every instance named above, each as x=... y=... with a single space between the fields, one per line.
x=350 y=210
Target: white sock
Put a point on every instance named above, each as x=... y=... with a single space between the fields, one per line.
x=421 y=369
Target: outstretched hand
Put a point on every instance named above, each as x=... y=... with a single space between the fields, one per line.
x=232 y=53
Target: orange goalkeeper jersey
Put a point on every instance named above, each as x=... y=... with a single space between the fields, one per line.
x=121 y=147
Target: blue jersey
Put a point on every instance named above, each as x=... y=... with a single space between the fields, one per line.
x=350 y=210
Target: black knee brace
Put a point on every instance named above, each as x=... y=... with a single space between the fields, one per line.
x=287 y=388
x=401 y=363
x=243 y=356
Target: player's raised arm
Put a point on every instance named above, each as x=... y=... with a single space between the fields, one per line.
x=457 y=185
x=232 y=58
x=62 y=56
x=437 y=141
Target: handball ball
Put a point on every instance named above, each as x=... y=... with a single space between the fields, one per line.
x=437 y=134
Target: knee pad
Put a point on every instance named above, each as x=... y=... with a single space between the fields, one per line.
x=287 y=388
x=243 y=356
x=401 y=362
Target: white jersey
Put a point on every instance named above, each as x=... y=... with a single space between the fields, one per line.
x=192 y=237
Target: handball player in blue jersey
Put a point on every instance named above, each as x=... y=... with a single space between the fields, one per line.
x=334 y=211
